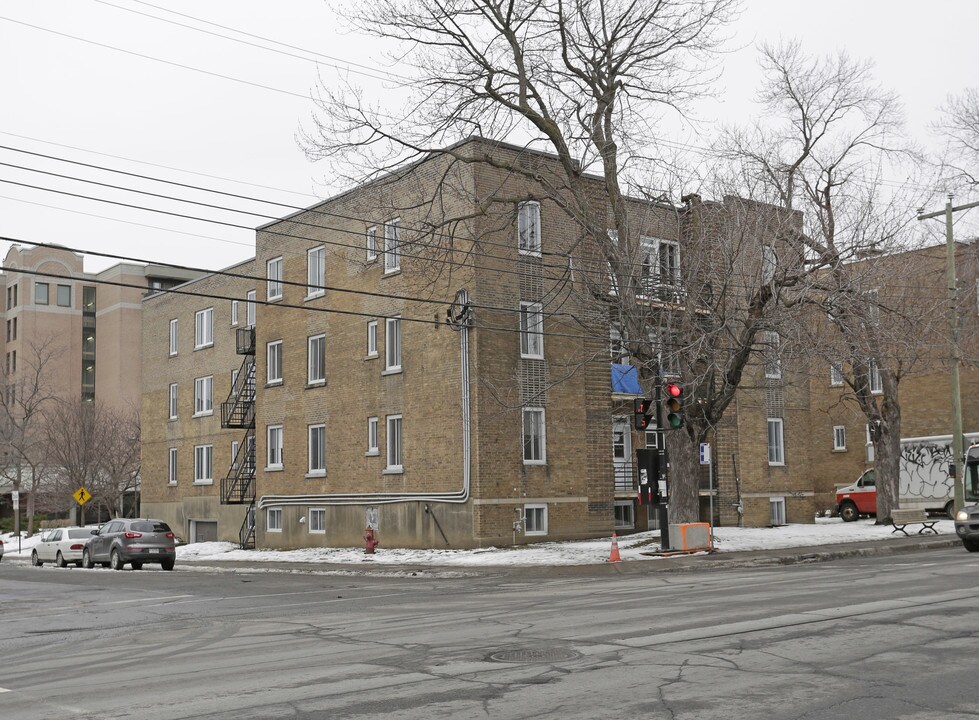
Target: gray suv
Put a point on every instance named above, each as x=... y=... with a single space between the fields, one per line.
x=136 y=541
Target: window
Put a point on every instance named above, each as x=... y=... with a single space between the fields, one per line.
x=274 y=447
x=274 y=279
x=203 y=328
x=392 y=344
x=40 y=293
x=172 y=467
x=234 y=455
x=371 y=243
x=372 y=338
x=528 y=228
x=769 y=263
x=535 y=519
x=204 y=395
x=660 y=263
x=173 y=401
x=531 y=330
x=876 y=382
x=394 y=446
x=776 y=443
x=64 y=295
x=778 y=510
x=392 y=246
x=534 y=450
x=372 y=448
x=250 y=308
x=274 y=357
x=317 y=520
x=234 y=312
x=273 y=519
x=317 y=449
x=773 y=363
x=203 y=455
x=839 y=437
x=625 y=518
x=173 y=337
x=315 y=272
x=316 y=359
x=617 y=349
x=835 y=375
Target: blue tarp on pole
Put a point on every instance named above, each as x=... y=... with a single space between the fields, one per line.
x=625 y=379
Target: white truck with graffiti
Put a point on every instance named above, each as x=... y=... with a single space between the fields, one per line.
x=924 y=482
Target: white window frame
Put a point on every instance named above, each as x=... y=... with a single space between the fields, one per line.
x=541 y=454
x=172 y=466
x=174 y=328
x=316 y=360
x=315 y=272
x=320 y=430
x=204 y=328
x=835 y=375
x=234 y=454
x=273 y=363
x=531 y=330
x=274 y=447
x=839 y=437
x=769 y=263
x=371 y=243
x=273 y=519
x=203 y=464
x=234 y=313
x=372 y=339
x=392 y=345
x=777 y=510
x=172 y=401
x=372 y=435
x=394 y=444
x=529 y=228
x=876 y=381
x=776 y=442
x=651 y=275
x=770 y=354
x=630 y=506
x=204 y=396
x=318 y=526
x=537 y=508
x=392 y=245
x=250 y=299
x=273 y=279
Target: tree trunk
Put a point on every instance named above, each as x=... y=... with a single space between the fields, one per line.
x=684 y=475
x=887 y=449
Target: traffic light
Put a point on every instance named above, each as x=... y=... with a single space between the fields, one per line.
x=641 y=411
x=673 y=404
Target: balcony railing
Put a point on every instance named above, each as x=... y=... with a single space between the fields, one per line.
x=246 y=341
x=625 y=478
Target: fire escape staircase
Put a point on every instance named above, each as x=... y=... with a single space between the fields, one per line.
x=238 y=411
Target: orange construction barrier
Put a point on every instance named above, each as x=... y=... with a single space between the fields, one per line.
x=614 y=555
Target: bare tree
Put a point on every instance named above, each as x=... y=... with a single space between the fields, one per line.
x=959 y=127
x=119 y=460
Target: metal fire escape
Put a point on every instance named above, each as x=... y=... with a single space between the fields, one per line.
x=238 y=411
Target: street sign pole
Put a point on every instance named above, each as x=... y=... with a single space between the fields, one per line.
x=15 y=497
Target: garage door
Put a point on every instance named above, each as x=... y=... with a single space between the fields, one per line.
x=204 y=531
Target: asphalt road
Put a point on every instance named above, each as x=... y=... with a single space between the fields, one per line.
x=880 y=637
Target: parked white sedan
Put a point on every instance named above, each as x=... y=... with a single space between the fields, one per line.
x=62 y=546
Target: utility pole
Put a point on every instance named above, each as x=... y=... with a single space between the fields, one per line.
x=957 y=471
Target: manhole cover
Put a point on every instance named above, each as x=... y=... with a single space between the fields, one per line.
x=534 y=656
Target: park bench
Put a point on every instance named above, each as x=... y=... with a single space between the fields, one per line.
x=900 y=519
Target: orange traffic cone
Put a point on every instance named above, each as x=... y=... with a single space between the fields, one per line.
x=614 y=555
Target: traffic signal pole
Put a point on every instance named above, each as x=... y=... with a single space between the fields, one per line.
x=663 y=501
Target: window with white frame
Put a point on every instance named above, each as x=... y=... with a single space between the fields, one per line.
x=777 y=505
x=835 y=375
x=531 y=330
x=769 y=263
x=273 y=519
x=172 y=467
x=371 y=243
x=315 y=272
x=839 y=437
x=869 y=444
x=250 y=308
x=625 y=517
x=392 y=344
x=773 y=363
x=235 y=461
x=204 y=395
x=535 y=519
x=316 y=359
x=203 y=328
x=392 y=246
x=395 y=460
x=776 y=442
x=372 y=448
x=317 y=520
x=203 y=463
x=660 y=263
x=876 y=382
x=372 y=338
x=274 y=455
x=173 y=401
x=274 y=279
x=534 y=441
x=317 y=449
x=234 y=312
x=528 y=228
x=617 y=349
x=173 y=337
x=273 y=355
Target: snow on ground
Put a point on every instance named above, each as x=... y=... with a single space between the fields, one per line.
x=824 y=531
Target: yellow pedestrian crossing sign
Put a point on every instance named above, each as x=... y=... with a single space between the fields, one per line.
x=82 y=496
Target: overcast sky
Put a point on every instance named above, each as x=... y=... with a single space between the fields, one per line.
x=78 y=82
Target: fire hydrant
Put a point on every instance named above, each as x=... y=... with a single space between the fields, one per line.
x=370 y=541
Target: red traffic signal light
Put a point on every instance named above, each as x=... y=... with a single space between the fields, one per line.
x=641 y=408
x=674 y=405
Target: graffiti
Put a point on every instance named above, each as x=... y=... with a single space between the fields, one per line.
x=924 y=471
